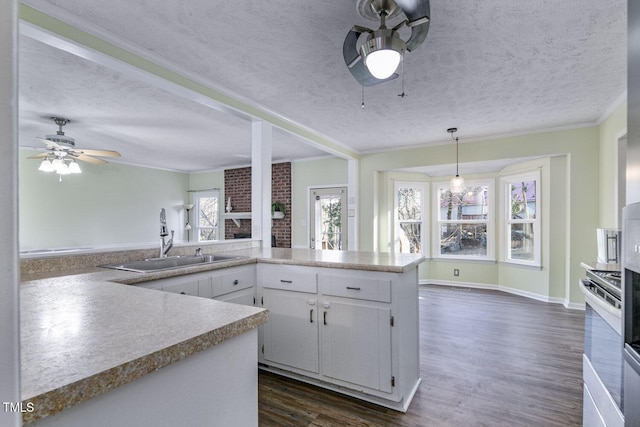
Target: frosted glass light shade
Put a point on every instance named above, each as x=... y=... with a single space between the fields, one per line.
x=74 y=167
x=64 y=169
x=46 y=166
x=56 y=164
x=382 y=63
x=457 y=184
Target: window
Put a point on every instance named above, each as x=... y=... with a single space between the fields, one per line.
x=522 y=234
x=464 y=221
x=206 y=215
x=410 y=217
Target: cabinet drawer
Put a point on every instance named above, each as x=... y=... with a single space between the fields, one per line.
x=363 y=288
x=188 y=288
x=289 y=279
x=233 y=280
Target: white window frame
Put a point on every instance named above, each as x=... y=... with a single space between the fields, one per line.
x=197 y=195
x=506 y=182
x=423 y=187
x=490 y=183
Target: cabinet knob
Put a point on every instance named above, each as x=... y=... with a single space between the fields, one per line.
x=183 y=293
x=235 y=282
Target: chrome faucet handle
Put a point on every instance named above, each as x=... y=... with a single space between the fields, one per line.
x=199 y=252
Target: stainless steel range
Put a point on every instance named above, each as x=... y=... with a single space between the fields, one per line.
x=602 y=359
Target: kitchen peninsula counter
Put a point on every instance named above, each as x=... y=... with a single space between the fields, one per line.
x=85 y=332
x=81 y=337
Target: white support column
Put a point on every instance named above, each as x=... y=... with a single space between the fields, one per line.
x=9 y=262
x=261 y=142
x=352 y=204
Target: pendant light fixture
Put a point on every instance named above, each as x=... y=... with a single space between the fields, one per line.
x=457 y=183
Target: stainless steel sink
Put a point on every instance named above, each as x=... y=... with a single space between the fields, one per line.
x=159 y=264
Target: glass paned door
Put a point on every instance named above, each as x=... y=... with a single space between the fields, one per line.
x=328 y=218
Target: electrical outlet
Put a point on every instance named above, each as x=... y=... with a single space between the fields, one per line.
x=456 y=272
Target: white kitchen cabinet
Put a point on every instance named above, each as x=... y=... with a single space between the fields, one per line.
x=233 y=284
x=356 y=344
x=233 y=279
x=189 y=287
x=351 y=331
x=244 y=297
x=290 y=338
x=291 y=334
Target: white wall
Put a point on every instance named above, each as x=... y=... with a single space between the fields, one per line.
x=9 y=329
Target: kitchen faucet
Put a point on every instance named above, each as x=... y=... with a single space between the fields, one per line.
x=165 y=247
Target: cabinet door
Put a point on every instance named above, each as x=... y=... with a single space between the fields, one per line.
x=291 y=334
x=356 y=344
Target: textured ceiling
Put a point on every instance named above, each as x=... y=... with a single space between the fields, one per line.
x=489 y=68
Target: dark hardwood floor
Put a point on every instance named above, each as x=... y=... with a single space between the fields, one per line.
x=487 y=359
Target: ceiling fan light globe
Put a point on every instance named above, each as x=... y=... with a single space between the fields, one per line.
x=74 y=167
x=64 y=169
x=56 y=164
x=382 y=53
x=46 y=166
x=383 y=63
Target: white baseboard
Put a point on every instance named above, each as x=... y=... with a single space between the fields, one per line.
x=520 y=292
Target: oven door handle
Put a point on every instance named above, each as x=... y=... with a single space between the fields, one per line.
x=594 y=299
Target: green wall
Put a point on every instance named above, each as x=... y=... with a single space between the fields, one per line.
x=305 y=175
x=611 y=130
x=106 y=205
x=117 y=205
x=573 y=219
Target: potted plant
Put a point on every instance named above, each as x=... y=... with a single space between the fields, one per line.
x=277 y=210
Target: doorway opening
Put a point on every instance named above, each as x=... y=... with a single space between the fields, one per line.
x=328 y=218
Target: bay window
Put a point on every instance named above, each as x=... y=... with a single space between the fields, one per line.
x=410 y=212
x=464 y=221
x=522 y=214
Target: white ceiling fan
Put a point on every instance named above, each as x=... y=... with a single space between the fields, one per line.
x=61 y=152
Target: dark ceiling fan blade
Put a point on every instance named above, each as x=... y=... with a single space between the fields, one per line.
x=89 y=159
x=416 y=10
x=100 y=153
x=354 y=62
x=51 y=144
x=39 y=156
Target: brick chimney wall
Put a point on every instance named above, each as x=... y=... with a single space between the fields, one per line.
x=237 y=185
